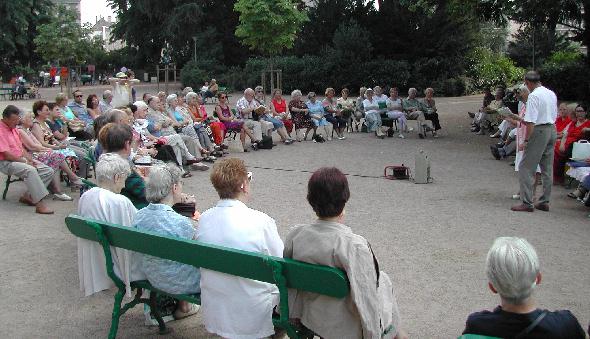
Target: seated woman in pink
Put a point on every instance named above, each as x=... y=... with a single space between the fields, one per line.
x=231 y=122
x=278 y=109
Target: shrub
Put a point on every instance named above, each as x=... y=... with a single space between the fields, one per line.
x=567 y=75
x=488 y=69
x=195 y=73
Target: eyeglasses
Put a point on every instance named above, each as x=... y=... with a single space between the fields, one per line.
x=79 y=96
x=249 y=176
x=580 y=110
x=222 y=97
x=258 y=91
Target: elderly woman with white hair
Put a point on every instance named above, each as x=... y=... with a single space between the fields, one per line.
x=186 y=126
x=267 y=121
x=372 y=113
x=514 y=271
x=300 y=114
x=163 y=189
x=104 y=203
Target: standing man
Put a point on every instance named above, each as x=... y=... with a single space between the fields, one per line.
x=14 y=160
x=539 y=141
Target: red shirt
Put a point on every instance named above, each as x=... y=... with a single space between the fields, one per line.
x=9 y=141
x=561 y=123
x=280 y=107
x=574 y=133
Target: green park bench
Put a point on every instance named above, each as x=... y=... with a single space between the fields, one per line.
x=6 y=91
x=284 y=273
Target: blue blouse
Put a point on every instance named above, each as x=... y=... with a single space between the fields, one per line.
x=315 y=108
x=169 y=276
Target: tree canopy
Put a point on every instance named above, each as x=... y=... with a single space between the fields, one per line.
x=268 y=26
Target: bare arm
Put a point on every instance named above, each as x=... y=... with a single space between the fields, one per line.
x=38 y=133
x=30 y=144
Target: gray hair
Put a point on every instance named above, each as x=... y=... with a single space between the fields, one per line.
x=412 y=90
x=187 y=90
x=160 y=181
x=247 y=90
x=171 y=98
x=140 y=104
x=296 y=93
x=191 y=95
x=429 y=89
x=258 y=88
x=109 y=165
x=114 y=115
x=107 y=94
x=310 y=94
x=512 y=267
x=532 y=76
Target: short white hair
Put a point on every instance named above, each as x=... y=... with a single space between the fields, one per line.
x=296 y=93
x=140 y=104
x=109 y=165
x=171 y=98
x=160 y=181
x=248 y=90
x=412 y=90
x=512 y=267
x=107 y=94
x=191 y=95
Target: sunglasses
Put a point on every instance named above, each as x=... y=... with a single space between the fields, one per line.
x=249 y=176
x=222 y=97
x=79 y=96
x=258 y=91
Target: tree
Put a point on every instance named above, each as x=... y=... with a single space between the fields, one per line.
x=268 y=26
x=541 y=14
x=16 y=39
x=521 y=49
x=62 y=40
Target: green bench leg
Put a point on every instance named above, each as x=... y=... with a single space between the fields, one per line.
x=6 y=188
x=162 y=329
x=116 y=314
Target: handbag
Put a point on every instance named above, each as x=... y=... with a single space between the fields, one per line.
x=581 y=150
x=76 y=125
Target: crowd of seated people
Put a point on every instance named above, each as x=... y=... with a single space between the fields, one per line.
x=238 y=307
x=572 y=125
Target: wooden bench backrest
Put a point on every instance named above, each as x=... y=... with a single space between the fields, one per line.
x=302 y=276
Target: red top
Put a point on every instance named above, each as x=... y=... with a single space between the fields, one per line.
x=574 y=133
x=280 y=107
x=9 y=141
x=561 y=123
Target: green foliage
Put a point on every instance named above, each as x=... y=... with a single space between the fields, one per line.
x=545 y=43
x=19 y=26
x=62 y=40
x=488 y=69
x=492 y=36
x=268 y=26
x=566 y=73
x=195 y=73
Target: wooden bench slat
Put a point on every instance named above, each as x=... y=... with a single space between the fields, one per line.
x=302 y=276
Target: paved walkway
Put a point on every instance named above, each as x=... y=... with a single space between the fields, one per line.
x=432 y=239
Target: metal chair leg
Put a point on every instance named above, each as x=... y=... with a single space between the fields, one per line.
x=116 y=314
x=162 y=329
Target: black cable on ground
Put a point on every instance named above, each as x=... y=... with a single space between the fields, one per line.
x=306 y=171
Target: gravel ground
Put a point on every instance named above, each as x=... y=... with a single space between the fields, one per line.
x=431 y=239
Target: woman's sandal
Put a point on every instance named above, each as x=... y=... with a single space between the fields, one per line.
x=187 y=175
x=194 y=309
